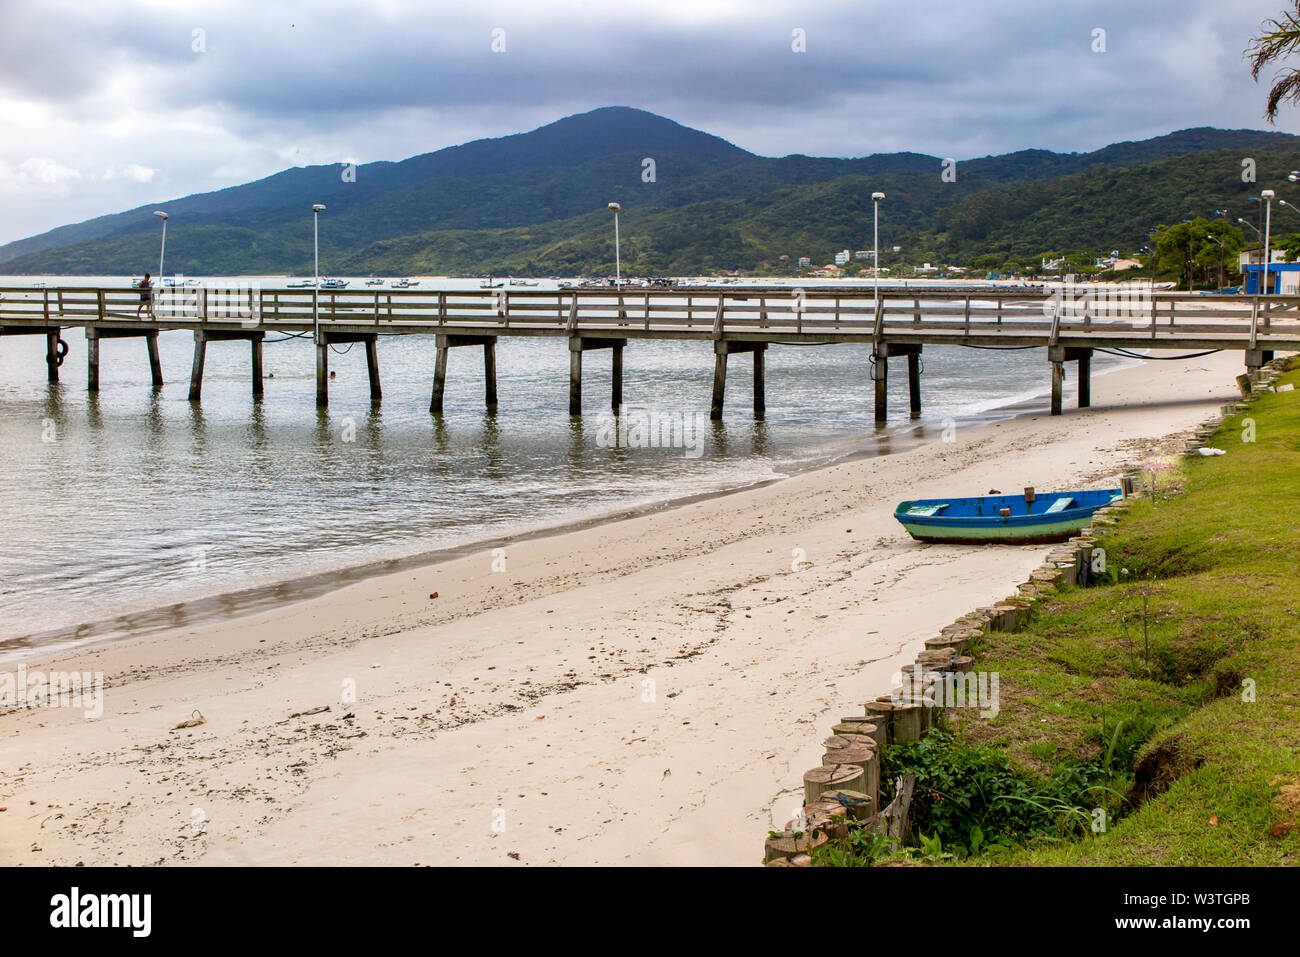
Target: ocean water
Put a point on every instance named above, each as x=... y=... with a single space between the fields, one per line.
x=133 y=498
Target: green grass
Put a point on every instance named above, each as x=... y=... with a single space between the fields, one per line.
x=1144 y=677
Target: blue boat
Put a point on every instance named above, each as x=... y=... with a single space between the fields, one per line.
x=1028 y=519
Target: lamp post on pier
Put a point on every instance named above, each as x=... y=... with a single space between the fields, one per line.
x=875 y=244
x=618 y=266
x=162 y=249
x=1267 y=196
x=316 y=210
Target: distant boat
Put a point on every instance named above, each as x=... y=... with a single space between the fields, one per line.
x=333 y=283
x=405 y=283
x=1028 y=519
x=374 y=282
x=301 y=284
x=489 y=284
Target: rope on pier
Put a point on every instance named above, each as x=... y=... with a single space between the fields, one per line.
x=1137 y=355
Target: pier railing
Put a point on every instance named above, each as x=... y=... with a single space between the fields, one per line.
x=1070 y=320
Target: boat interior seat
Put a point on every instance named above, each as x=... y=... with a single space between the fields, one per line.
x=925 y=511
x=1060 y=505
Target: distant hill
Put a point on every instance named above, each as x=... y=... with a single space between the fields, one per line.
x=534 y=203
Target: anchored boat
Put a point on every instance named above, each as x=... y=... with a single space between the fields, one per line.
x=1028 y=519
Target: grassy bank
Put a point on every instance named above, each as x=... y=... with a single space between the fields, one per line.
x=1168 y=698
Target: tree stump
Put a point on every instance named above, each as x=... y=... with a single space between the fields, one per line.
x=871 y=729
x=829 y=777
x=857 y=805
x=864 y=758
x=907 y=724
x=837 y=741
x=787 y=845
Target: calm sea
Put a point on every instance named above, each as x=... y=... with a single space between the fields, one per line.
x=134 y=499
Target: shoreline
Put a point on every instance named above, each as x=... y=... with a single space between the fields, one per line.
x=272 y=592
x=641 y=691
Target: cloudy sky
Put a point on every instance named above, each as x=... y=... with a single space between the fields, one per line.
x=106 y=106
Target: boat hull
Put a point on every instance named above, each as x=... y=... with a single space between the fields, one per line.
x=1050 y=517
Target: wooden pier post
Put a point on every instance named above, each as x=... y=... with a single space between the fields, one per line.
x=577 y=346
x=1085 y=378
x=92 y=359
x=616 y=379
x=446 y=342
x=489 y=374
x=725 y=347
x=880 y=374
x=322 y=372
x=155 y=362
x=719 y=379
x=439 y=377
x=372 y=371
x=1058 y=380
x=52 y=353
x=255 y=354
x=196 y=373
x=914 y=383
x=575 y=376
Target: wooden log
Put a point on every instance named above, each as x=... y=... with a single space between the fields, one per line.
x=787 y=845
x=914 y=383
x=857 y=805
x=836 y=741
x=964 y=664
x=828 y=819
x=864 y=758
x=907 y=723
x=897 y=814
x=829 y=777
x=760 y=388
x=489 y=376
x=719 y=382
x=322 y=373
x=875 y=730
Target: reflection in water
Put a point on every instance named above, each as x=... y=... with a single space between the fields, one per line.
x=206 y=498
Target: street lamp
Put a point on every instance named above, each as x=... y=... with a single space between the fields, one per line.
x=163 y=249
x=1251 y=225
x=1267 y=196
x=618 y=266
x=875 y=244
x=1294 y=176
x=1223 y=252
x=316 y=210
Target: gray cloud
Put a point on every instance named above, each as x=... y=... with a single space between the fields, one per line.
x=97 y=87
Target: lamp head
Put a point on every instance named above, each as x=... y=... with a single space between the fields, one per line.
x=614 y=208
x=1268 y=194
x=1294 y=176
x=877 y=197
x=160 y=214
x=318 y=207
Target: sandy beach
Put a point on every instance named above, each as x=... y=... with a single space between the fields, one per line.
x=646 y=691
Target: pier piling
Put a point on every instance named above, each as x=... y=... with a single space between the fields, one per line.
x=577 y=346
x=52 y=353
x=446 y=342
x=725 y=347
x=201 y=339
x=914 y=383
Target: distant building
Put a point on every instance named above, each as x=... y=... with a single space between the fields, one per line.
x=862 y=254
x=842 y=258
x=783 y=257
x=1283 y=278
x=805 y=261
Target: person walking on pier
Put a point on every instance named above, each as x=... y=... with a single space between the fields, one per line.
x=146 y=296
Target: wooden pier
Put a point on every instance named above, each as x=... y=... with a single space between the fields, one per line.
x=1069 y=324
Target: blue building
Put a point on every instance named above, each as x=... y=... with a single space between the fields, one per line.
x=1283 y=278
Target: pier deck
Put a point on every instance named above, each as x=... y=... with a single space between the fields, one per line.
x=1070 y=324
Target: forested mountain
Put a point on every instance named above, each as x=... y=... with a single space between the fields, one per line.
x=535 y=203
